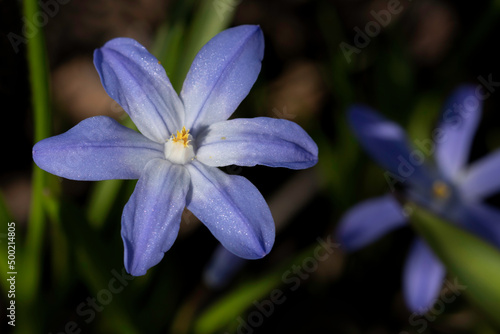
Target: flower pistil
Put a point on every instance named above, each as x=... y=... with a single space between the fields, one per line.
x=182 y=136
x=178 y=149
x=440 y=190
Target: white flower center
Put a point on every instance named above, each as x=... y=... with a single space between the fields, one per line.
x=178 y=149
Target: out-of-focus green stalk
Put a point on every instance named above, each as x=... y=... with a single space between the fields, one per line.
x=101 y=201
x=39 y=82
x=167 y=36
x=167 y=46
x=475 y=263
x=60 y=252
x=29 y=265
x=94 y=259
x=235 y=304
x=423 y=117
x=228 y=308
x=169 y=39
x=96 y=280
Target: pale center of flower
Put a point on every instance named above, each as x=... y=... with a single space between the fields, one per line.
x=178 y=149
x=440 y=190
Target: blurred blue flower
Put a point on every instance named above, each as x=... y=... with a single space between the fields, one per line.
x=221 y=268
x=182 y=141
x=444 y=185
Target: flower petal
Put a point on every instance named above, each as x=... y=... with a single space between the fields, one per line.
x=221 y=75
x=368 y=221
x=423 y=277
x=232 y=209
x=264 y=141
x=388 y=145
x=152 y=216
x=456 y=130
x=135 y=79
x=484 y=221
x=222 y=267
x=481 y=179
x=98 y=148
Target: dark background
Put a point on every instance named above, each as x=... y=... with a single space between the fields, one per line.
x=428 y=49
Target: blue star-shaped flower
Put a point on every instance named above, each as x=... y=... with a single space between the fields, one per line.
x=446 y=186
x=182 y=141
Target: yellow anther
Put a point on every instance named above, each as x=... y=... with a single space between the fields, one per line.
x=440 y=190
x=182 y=136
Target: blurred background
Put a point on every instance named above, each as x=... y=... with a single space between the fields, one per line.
x=69 y=250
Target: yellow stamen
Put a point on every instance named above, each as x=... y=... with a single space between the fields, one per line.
x=182 y=136
x=440 y=190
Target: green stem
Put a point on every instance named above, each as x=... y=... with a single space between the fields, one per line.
x=29 y=273
x=473 y=262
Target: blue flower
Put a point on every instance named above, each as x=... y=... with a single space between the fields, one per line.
x=445 y=186
x=182 y=141
x=221 y=268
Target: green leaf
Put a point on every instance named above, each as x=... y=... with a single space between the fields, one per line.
x=423 y=119
x=101 y=201
x=475 y=263
x=170 y=38
x=226 y=310
x=96 y=267
x=167 y=48
x=233 y=305
x=31 y=261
